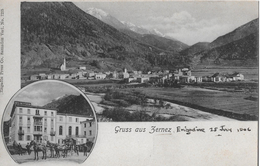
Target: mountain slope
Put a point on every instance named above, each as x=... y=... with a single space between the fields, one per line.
x=71 y=105
x=195 y=48
x=242 y=52
x=51 y=31
x=237 y=48
x=239 y=33
x=151 y=37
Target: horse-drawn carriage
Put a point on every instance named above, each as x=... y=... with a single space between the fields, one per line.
x=68 y=147
x=16 y=148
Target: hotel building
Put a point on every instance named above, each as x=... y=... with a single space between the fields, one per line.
x=35 y=123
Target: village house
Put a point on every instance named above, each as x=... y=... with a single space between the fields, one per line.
x=198 y=79
x=42 y=76
x=187 y=79
x=34 y=77
x=236 y=77
x=142 y=79
x=64 y=76
x=82 y=68
x=90 y=74
x=131 y=79
x=100 y=76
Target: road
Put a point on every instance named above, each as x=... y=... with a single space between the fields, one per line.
x=30 y=158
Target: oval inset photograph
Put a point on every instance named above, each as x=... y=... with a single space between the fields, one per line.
x=49 y=121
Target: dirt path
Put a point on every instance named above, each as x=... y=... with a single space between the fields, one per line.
x=30 y=158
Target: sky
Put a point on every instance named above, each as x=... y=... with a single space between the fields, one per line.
x=189 y=22
x=40 y=93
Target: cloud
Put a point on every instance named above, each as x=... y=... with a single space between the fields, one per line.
x=36 y=97
x=184 y=27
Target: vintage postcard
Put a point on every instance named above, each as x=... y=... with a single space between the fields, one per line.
x=129 y=82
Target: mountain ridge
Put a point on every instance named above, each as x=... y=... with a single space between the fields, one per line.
x=71 y=104
x=236 y=48
x=53 y=31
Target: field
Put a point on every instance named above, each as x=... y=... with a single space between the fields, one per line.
x=233 y=102
x=249 y=73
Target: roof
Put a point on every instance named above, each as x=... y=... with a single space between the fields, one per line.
x=67 y=114
x=26 y=105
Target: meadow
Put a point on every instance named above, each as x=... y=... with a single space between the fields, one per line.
x=250 y=73
x=208 y=100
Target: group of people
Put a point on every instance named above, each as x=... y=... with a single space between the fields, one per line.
x=56 y=150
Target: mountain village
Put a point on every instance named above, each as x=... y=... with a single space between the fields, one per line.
x=178 y=76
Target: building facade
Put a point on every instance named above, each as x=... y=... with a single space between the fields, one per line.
x=34 y=123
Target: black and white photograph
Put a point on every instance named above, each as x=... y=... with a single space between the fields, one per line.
x=177 y=61
x=129 y=82
x=49 y=121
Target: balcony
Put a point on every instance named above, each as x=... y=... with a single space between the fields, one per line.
x=76 y=136
x=53 y=133
x=20 y=132
x=37 y=132
x=37 y=123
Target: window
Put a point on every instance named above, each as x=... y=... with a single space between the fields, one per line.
x=28 y=120
x=77 y=130
x=90 y=132
x=38 y=128
x=85 y=125
x=28 y=129
x=45 y=112
x=37 y=112
x=70 y=130
x=60 y=130
x=20 y=137
x=70 y=119
x=51 y=138
x=28 y=138
x=45 y=121
x=77 y=119
x=51 y=113
x=61 y=118
x=20 y=110
x=85 y=133
x=45 y=129
x=81 y=140
x=28 y=111
x=20 y=119
x=90 y=124
x=51 y=121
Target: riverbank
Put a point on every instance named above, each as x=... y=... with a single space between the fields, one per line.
x=184 y=113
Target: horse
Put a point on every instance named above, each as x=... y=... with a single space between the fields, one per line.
x=52 y=148
x=69 y=143
x=86 y=147
x=57 y=151
x=37 y=148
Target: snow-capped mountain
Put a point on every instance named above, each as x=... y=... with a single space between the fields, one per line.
x=98 y=13
x=110 y=20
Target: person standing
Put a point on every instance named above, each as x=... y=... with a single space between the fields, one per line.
x=20 y=149
x=28 y=149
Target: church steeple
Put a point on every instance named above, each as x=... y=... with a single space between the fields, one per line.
x=63 y=66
